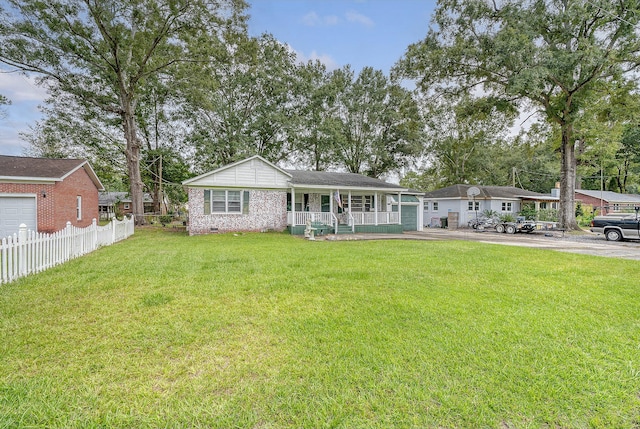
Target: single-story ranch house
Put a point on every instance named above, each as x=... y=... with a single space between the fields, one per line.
x=45 y=194
x=608 y=202
x=112 y=204
x=256 y=195
x=500 y=199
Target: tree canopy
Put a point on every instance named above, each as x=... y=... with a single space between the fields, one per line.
x=549 y=54
x=104 y=52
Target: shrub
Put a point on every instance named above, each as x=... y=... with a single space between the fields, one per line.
x=507 y=218
x=165 y=219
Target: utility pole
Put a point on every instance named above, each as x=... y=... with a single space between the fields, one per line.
x=513 y=174
x=163 y=209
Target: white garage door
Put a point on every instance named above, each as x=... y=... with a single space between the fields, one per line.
x=14 y=211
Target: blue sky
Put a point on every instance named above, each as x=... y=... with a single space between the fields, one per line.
x=337 y=32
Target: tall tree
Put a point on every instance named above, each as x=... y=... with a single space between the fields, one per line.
x=381 y=126
x=69 y=130
x=317 y=127
x=549 y=53
x=241 y=103
x=102 y=52
x=463 y=135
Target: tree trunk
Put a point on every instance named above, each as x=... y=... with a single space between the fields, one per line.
x=132 y=154
x=567 y=214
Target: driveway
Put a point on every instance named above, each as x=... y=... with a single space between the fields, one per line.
x=586 y=243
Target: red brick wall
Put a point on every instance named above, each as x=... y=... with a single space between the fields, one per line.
x=65 y=194
x=608 y=207
x=593 y=202
x=59 y=204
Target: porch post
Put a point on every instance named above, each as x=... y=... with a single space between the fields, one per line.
x=399 y=208
x=375 y=208
x=331 y=197
x=293 y=206
x=353 y=226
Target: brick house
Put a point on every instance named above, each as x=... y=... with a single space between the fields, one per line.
x=45 y=193
x=605 y=202
x=256 y=195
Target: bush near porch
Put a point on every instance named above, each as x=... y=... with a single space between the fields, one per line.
x=271 y=331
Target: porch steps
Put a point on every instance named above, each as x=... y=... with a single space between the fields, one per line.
x=344 y=229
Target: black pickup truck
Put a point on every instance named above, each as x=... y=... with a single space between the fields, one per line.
x=616 y=227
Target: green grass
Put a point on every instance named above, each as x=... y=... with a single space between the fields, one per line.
x=270 y=331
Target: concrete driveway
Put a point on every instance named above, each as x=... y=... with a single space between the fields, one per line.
x=585 y=243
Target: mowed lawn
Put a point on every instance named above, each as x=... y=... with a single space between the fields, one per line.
x=271 y=331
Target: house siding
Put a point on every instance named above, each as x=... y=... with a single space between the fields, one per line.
x=59 y=206
x=446 y=206
x=267 y=211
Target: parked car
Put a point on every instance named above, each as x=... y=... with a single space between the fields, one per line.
x=616 y=227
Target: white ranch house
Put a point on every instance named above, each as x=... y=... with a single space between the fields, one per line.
x=500 y=199
x=256 y=195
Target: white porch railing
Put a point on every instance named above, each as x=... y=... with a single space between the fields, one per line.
x=31 y=252
x=356 y=218
x=369 y=218
x=302 y=217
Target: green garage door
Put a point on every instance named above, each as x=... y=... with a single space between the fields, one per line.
x=409 y=218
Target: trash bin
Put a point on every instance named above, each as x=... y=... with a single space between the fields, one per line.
x=444 y=222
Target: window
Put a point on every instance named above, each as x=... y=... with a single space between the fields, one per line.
x=356 y=203
x=79 y=207
x=474 y=205
x=219 y=201
x=506 y=207
x=435 y=206
x=369 y=203
x=325 y=203
x=426 y=206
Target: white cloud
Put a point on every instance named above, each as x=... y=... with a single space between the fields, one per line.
x=331 y=20
x=359 y=18
x=325 y=59
x=312 y=19
x=18 y=87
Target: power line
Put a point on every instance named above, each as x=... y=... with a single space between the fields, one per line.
x=609 y=13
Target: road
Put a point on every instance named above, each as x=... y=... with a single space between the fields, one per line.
x=586 y=243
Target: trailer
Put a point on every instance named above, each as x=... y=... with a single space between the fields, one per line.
x=526 y=226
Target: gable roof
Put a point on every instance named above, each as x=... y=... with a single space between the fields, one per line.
x=486 y=192
x=242 y=173
x=609 y=196
x=26 y=170
x=257 y=172
x=339 y=180
x=110 y=198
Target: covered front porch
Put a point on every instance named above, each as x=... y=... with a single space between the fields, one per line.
x=333 y=211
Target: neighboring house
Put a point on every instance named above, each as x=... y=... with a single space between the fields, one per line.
x=256 y=195
x=608 y=202
x=500 y=199
x=119 y=203
x=45 y=194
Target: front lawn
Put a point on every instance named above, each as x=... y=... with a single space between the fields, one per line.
x=271 y=331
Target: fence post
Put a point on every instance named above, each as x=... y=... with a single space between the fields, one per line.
x=94 y=235
x=22 y=254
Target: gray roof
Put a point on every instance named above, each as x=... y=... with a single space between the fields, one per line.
x=339 y=180
x=611 y=197
x=486 y=192
x=25 y=168
x=109 y=198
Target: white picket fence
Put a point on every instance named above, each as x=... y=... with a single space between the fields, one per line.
x=30 y=252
